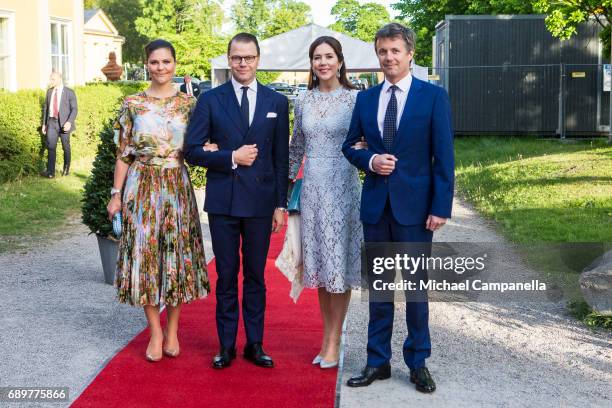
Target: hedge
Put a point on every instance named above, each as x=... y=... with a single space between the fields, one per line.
x=22 y=149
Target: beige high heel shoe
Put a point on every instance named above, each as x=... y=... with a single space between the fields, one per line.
x=152 y=359
x=149 y=357
x=168 y=352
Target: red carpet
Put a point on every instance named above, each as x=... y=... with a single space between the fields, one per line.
x=292 y=337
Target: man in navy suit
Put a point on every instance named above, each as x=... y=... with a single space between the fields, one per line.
x=246 y=190
x=408 y=190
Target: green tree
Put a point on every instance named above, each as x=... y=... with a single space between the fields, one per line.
x=287 y=15
x=564 y=16
x=123 y=14
x=251 y=16
x=267 y=18
x=423 y=15
x=359 y=20
x=192 y=26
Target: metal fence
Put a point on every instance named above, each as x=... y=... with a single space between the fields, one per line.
x=545 y=99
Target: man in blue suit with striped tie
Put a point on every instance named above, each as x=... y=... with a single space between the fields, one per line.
x=408 y=190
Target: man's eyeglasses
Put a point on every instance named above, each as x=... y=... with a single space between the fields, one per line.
x=249 y=59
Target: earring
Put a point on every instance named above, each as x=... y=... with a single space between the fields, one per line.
x=314 y=77
x=338 y=73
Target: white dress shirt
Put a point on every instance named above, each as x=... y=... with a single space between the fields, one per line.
x=401 y=94
x=189 y=88
x=59 y=90
x=251 y=96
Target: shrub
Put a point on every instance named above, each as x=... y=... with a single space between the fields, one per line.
x=97 y=188
x=197 y=174
x=22 y=150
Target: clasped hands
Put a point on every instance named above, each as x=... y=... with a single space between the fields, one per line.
x=384 y=164
x=243 y=156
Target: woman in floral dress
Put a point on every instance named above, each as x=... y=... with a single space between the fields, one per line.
x=161 y=255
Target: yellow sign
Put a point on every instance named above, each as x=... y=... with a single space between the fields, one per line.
x=433 y=77
x=579 y=74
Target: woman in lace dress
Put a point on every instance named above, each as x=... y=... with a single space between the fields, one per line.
x=330 y=196
x=161 y=255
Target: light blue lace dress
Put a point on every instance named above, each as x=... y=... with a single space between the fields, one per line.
x=331 y=192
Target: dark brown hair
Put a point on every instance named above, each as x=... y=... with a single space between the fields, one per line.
x=157 y=44
x=394 y=30
x=245 y=38
x=337 y=47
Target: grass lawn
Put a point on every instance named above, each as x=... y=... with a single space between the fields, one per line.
x=34 y=206
x=540 y=191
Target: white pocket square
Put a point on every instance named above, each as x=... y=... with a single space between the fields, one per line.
x=271 y=115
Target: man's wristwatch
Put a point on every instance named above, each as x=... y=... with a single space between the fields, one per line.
x=282 y=209
x=115 y=191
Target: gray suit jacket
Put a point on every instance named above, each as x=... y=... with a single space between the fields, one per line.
x=67 y=108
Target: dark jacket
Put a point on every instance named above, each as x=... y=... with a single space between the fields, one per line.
x=194 y=86
x=423 y=180
x=247 y=191
x=67 y=108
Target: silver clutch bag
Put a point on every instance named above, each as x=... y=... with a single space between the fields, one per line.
x=117 y=224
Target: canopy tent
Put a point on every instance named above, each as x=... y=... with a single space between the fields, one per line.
x=289 y=52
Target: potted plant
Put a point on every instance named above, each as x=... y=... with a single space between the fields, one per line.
x=95 y=199
x=197 y=174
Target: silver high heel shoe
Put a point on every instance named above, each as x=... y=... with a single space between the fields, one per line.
x=317 y=360
x=328 y=364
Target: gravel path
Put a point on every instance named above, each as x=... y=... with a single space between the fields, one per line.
x=487 y=355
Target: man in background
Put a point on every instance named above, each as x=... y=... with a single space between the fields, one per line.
x=190 y=88
x=59 y=113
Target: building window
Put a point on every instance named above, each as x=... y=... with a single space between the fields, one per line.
x=7 y=53
x=60 y=51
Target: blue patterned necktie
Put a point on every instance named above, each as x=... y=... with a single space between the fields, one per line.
x=390 y=123
x=244 y=105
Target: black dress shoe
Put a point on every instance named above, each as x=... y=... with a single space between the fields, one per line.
x=256 y=354
x=369 y=374
x=422 y=379
x=66 y=171
x=224 y=358
x=47 y=175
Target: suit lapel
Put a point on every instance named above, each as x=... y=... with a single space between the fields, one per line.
x=409 y=108
x=230 y=104
x=372 y=123
x=62 y=99
x=261 y=109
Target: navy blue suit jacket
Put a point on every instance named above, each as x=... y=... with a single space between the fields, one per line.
x=247 y=191
x=423 y=180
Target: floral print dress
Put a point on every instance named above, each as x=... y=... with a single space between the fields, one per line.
x=161 y=255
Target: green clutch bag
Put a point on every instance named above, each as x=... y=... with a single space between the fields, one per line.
x=294 y=200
